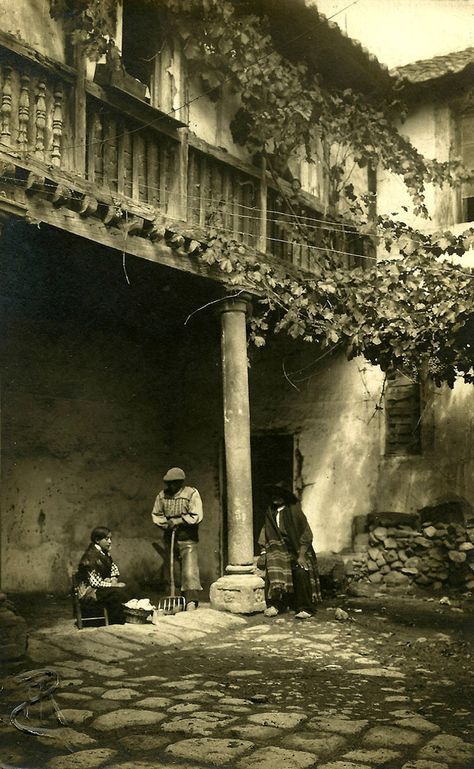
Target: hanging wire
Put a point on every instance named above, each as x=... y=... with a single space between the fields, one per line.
x=336 y=228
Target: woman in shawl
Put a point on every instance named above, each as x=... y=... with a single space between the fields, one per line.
x=99 y=576
x=291 y=571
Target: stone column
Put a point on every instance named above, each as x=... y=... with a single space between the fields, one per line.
x=240 y=590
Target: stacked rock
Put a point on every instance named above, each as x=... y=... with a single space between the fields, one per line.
x=435 y=555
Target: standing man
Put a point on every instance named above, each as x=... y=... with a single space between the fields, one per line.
x=179 y=507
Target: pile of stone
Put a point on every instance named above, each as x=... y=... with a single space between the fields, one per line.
x=402 y=551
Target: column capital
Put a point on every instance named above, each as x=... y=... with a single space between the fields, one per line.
x=240 y=301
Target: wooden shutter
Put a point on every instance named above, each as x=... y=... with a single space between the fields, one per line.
x=403 y=416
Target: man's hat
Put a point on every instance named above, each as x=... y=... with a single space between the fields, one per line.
x=282 y=491
x=174 y=474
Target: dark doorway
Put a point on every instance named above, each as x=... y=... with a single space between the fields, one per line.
x=272 y=461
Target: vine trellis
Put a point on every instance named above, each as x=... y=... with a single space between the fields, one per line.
x=412 y=311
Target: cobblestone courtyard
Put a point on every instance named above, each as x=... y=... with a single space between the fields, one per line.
x=210 y=689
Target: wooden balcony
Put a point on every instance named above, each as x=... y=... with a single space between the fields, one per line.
x=108 y=150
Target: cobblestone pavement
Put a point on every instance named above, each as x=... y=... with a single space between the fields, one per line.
x=208 y=689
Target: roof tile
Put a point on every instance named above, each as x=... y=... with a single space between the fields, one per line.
x=437 y=67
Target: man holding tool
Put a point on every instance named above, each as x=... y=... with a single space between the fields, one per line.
x=178 y=510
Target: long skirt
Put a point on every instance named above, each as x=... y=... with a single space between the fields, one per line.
x=302 y=597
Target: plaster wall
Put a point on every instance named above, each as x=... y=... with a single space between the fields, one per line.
x=210 y=120
x=30 y=21
x=336 y=428
x=445 y=468
x=420 y=129
x=91 y=396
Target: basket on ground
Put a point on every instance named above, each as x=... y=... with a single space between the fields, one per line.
x=136 y=616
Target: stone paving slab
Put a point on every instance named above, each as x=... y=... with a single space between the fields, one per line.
x=337 y=725
x=379 y=736
x=447 y=748
x=322 y=745
x=118 y=719
x=424 y=765
x=144 y=742
x=343 y=765
x=277 y=758
x=215 y=752
x=278 y=720
x=199 y=716
x=376 y=758
x=83 y=759
x=84 y=646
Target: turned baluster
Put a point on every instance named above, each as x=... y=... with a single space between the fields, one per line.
x=40 y=120
x=23 y=112
x=57 y=129
x=6 y=108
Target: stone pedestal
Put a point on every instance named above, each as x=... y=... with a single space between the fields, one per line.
x=238 y=593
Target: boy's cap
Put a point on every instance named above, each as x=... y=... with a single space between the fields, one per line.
x=174 y=474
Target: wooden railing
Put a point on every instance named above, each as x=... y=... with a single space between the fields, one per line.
x=221 y=196
x=130 y=160
x=117 y=143
x=34 y=116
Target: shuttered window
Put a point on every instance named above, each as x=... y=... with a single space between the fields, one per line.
x=403 y=416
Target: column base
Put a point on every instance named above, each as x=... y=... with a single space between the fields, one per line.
x=238 y=593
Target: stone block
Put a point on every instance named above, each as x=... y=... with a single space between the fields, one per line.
x=380 y=533
x=373 y=553
x=238 y=593
x=395 y=578
x=456 y=557
x=376 y=577
x=422 y=542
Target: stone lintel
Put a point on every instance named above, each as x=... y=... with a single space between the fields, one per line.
x=238 y=593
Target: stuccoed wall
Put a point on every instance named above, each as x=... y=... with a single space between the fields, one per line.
x=91 y=398
x=30 y=22
x=336 y=426
x=445 y=468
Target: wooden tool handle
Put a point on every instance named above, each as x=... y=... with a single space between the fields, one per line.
x=172 y=585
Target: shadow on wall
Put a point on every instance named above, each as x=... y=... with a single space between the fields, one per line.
x=453 y=510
